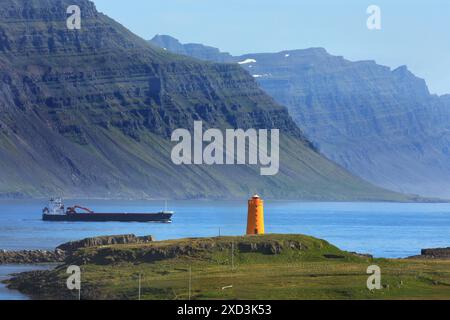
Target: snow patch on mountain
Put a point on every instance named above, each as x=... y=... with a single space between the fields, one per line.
x=247 y=61
x=262 y=75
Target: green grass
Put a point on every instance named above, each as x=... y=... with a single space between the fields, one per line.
x=271 y=280
x=318 y=271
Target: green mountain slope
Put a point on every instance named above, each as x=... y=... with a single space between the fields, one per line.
x=89 y=113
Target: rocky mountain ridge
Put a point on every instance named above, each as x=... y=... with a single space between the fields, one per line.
x=379 y=123
x=89 y=113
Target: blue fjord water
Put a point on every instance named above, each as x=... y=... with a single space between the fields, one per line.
x=5 y=273
x=390 y=230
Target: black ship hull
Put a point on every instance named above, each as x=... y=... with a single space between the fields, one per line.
x=110 y=217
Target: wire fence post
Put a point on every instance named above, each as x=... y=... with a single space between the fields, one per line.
x=139 y=287
x=190 y=281
x=232 y=255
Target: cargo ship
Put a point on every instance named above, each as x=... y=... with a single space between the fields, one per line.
x=55 y=211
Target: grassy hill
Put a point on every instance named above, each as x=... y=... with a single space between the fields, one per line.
x=260 y=267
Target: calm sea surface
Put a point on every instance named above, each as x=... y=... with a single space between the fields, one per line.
x=382 y=229
x=7 y=270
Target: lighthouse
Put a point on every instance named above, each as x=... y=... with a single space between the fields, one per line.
x=255 y=219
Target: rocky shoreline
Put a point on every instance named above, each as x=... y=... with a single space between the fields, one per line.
x=31 y=256
x=62 y=252
x=65 y=252
x=109 y=252
x=436 y=253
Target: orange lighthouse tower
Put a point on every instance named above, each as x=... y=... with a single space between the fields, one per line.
x=255 y=220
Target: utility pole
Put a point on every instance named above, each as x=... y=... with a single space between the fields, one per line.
x=232 y=255
x=79 y=289
x=190 y=281
x=139 y=287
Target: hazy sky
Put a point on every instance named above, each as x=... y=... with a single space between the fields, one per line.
x=415 y=33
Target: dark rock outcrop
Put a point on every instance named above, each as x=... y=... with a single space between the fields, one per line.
x=64 y=251
x=104 y=241
x=435 y=253
x=31 y=257
x=266 y=248
x=362 y=255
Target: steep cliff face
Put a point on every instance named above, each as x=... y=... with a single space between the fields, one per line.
x=380 y=124
x=89 y=113
x=195 y=50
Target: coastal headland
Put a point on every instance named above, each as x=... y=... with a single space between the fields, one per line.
x=253 y=267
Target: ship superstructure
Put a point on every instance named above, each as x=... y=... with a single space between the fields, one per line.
x=55 y=211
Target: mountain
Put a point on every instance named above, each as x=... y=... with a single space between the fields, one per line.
x=194 y=50
x=381 y=124
x=90 y=112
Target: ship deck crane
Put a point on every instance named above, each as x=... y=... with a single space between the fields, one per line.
x=73 y=210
